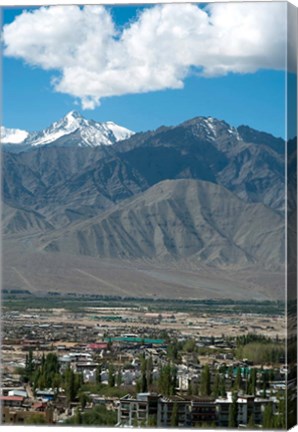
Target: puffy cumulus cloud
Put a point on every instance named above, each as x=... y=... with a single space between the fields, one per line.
x=157 y=51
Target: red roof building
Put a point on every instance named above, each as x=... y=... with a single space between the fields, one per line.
x=98 y=346
x=11 y=401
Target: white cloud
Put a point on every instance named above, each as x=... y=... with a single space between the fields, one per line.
x=157 y=51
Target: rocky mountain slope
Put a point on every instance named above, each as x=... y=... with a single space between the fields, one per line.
x=179 y=220
x=198 y=194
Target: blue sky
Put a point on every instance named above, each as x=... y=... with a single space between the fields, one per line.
x=253 y=98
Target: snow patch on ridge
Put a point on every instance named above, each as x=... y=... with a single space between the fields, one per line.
x=89 y=133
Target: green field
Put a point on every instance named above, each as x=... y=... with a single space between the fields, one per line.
x=24 y=300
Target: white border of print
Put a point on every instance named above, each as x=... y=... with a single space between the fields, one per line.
x=115 y=2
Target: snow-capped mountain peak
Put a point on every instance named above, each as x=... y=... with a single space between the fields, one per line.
x=74 y=115
x=13 y=136
x=71 y=130
x=120 y=133
x=212 y=129
x=71 y=122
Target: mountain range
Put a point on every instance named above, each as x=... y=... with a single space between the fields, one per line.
x=193 y=210
x=73 y=129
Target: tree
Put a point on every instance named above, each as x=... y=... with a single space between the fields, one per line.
x=167 y=380
x=238 y=380
x=268 y=422
x=97 y=416
x=78 y=417
x=172 y=350
x=190 y=346
x=173 y=380
x=47 y=374
x=98 y=374
x=152 y=421
x=252 y=382
x=79 y=380
x=144 y=383
x=119 y=378
x=149 y=371
x=222 y=387
x=205 y=389
x=216 y=385
x=50 y=368
x=251 y=422
x=35 y=419
x=29 y=366
x=71 y=386
x=43 y=359
x=111 y=377
x=30 y=361
x=233 y=412
x=138 y=386
x=175 y=415
x=265 y=378
x=84 y=399
x=56 y=382
x=280 y=418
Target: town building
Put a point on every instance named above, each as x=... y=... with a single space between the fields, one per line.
x=248 y=408
x=19 y=416
x=189 y=412
x=11 y=401
x=137 y=410
x=203 y=411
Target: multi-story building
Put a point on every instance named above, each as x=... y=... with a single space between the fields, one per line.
x=133 y=411
x=174 y=411
x=203 y=412
x=248 y=408
x=166 y=411
x=245 y=409
x=178 y=411
x=222 y=411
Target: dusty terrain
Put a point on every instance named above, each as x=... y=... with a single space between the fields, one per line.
x=97 y=321
x=42 y=272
